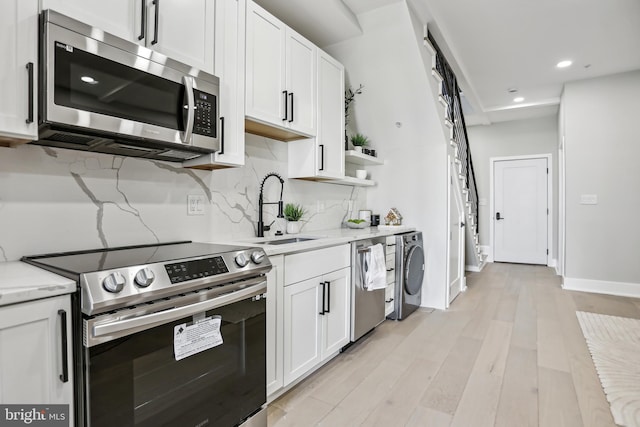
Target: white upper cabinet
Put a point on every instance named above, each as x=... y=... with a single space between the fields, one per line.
x=180 y=29
x=229 y=66
x=323 y=157
x=183 y=30
x=18 y=71
x=280 y=77
x=300 y=83
x=121 y=18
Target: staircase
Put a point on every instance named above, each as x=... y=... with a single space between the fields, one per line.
x=453 y=119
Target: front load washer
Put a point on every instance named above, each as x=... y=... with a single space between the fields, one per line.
x=409 y=274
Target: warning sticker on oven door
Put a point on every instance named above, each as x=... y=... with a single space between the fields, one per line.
x=195 y=338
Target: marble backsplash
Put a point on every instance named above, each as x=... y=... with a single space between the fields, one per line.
x=54 y=200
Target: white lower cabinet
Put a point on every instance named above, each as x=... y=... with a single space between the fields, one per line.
x=275 y=287
x=390 y=291
x=316 y=321
x=34 y=361
x=317 y=304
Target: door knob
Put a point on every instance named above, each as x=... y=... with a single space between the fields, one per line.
x=498 y=217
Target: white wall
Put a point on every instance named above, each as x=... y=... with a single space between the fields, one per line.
x=55 y=200
x=515 y=138
x=602 y=149
x=397 y=111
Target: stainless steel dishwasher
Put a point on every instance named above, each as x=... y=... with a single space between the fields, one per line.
x=367 y=307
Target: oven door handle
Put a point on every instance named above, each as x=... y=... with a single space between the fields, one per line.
x=136 y=324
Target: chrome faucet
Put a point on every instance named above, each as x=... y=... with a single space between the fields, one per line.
x=261 y=203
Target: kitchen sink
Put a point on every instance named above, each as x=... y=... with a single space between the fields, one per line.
x=290 y=240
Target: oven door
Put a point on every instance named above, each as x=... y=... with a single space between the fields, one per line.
x=109 y=85
x=153 y=378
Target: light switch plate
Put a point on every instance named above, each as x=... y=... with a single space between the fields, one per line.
x=195 y=204
x=588 y=199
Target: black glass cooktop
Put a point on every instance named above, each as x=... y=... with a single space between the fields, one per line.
x=72 y=264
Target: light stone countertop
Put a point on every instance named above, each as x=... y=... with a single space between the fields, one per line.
x=21 y=282
x=320 y=239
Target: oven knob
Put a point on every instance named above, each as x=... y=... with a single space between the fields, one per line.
x=257 y=257
x=144 y=277
x=114 y=282
x=241 y=260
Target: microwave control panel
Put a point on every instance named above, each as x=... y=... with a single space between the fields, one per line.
x=205 y=114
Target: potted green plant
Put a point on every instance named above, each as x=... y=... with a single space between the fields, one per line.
x=293 y=214
x=359 y=140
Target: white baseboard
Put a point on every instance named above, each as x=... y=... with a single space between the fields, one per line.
x=473 y=268
x=602 y=287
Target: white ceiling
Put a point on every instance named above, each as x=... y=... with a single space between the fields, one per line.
x=495 y=45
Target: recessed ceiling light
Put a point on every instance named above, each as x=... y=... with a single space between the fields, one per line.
x=518 y=99
x=89 y=79
x=564 y=64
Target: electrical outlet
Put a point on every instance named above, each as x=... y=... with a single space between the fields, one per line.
x=588 y=199
x=195 y=204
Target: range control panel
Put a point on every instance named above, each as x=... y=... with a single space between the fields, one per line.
x=196 y=269
x=205 y=114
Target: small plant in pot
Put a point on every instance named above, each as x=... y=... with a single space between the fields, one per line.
x=293 y=214
x=359 y=140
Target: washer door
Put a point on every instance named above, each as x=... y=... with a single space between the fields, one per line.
x=414 y=271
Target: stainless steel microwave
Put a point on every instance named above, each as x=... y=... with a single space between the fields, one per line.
x=105 y=94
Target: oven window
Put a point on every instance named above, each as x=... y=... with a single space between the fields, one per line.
x=136 y=381
x=88 y=82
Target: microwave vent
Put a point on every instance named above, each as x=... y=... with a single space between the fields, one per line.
x=70 y=138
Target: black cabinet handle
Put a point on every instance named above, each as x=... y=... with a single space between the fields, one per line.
x=328 y=310
x=157 y=18
x=390 y=269
x=498 y=217
x=221 y=136
x=291 y=96
x=286 y=105
x=321 y=157
x=389 y=300
x=30 y=100
x=64 y=377
x=143 y=19
x=462 y=225
x=323 y=300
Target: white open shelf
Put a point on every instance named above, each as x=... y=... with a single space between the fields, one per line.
x=355 y=157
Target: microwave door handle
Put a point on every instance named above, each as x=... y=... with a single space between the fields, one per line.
x=188 y=127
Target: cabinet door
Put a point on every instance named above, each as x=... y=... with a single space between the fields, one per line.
x=330 y=117
x=275 y=287
x=300 y=83
x=336 y=322
x=265 y=62
x=229 y=66
x=122 y=18
x=185 y=30
x=302 y=304
x=19 y=47
x=31 y=353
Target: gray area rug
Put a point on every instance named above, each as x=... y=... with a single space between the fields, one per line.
x=614 y=343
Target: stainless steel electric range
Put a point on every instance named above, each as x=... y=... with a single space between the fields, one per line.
x=168 y=334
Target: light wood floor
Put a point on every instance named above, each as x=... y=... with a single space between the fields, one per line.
x=509 y=352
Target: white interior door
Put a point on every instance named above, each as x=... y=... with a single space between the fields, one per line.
x=456 y=236
x=520 y=212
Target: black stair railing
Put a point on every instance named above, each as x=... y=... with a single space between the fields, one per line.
x=451 y=94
